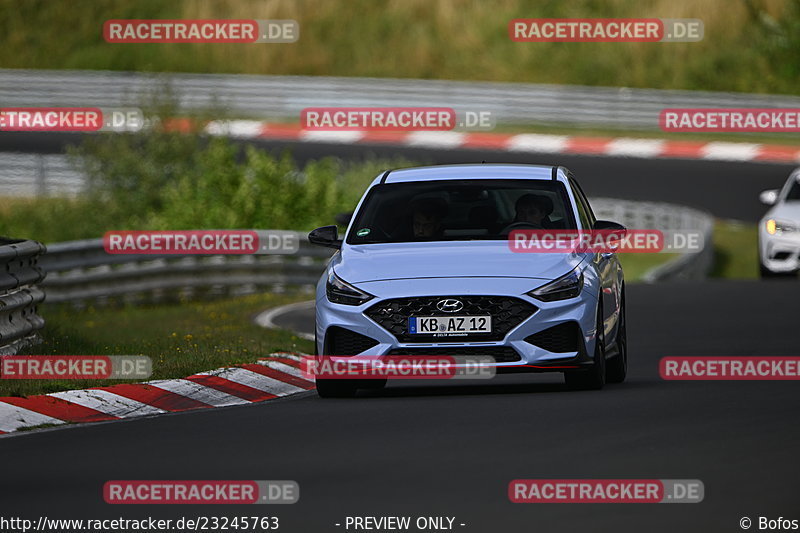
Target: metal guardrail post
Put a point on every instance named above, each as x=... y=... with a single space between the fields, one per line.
x=82 y=271
x=19 y=295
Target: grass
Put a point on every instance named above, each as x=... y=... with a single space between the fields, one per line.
x=181 y=339
x=637 y=265
x=749 y=45
x=735 y=250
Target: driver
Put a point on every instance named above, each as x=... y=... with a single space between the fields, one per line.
x=427 y=219
x=533 y=209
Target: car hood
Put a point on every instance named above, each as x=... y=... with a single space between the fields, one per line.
x=788 y=211
x=380 y=262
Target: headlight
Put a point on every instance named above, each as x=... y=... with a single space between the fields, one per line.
x=568 y=286
x=341 y=292
x=775 y=227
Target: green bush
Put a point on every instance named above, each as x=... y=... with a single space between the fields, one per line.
x=159 y=180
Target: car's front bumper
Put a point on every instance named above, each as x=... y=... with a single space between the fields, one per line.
x=779 y=253
x=578 y=313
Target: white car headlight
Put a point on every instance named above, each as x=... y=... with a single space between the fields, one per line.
x=777 y=227
x=341 y=292
x=567 y=286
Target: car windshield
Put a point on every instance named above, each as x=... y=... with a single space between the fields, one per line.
x=459 y=210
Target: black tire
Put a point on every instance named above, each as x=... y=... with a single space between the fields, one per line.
x=617 y=366
x=769 y=274
x=334 y=388
x=594 y=377
x=375 y=384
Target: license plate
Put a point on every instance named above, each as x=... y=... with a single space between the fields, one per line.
x=449 y=325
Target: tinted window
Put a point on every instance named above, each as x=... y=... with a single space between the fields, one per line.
x=584 y=210
x=456 y=210
x=794 y=192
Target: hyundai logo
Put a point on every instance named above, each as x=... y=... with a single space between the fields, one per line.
x=449 y=305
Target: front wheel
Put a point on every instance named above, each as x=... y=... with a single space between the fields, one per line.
x=769 y=274
x=617 y=366
x=595 y=377
x=333 y=388
x=336 y=388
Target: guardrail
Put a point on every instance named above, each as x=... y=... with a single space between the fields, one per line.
x=39 y=175
x=285 y=96
x=81 y=271
x=19 y=295
x=663 y=216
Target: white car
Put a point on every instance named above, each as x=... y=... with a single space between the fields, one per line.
x=779 y=230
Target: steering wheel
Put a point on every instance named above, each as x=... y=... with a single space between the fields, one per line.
x=520 y=225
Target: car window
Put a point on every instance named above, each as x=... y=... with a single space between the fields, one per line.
x=584 y=210
x=793 y=195
x=447 y=210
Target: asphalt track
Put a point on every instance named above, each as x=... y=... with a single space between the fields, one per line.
x=450 y=449
x=726 y=189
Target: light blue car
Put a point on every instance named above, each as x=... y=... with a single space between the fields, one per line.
x=431 y=243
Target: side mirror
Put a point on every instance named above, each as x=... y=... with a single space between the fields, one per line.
x=326 y=236
x=769 y=197
x=607 y=225
x=343 y=219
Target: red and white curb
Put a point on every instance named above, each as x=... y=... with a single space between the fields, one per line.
x=525 y=142
x=271 y=377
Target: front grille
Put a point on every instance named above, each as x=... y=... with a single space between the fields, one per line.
x=562 y=338
x=501 y=354
x=506 y=312
x=340 y=341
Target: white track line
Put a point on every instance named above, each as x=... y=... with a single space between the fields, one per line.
x=730 y=151
x=198 y=392
x=438 y=139
x=266 y=319
x=255 y=380
x=635 y=147
x=235 y=128
x=108 y=403
x=332 y=136
x=12 y=418
x=286 y=369
x=532 y=142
